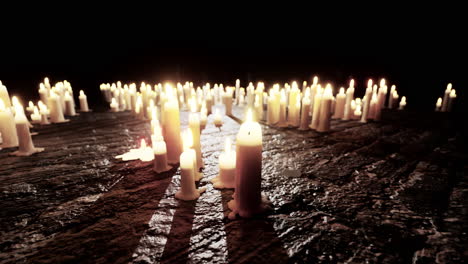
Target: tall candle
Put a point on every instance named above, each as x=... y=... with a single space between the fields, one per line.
x=373 y=106
x=56 y=112
x=227 y=100
x=227 y=168
x=325 y=110
x=402 y=103
x=258 y=106
x=69 y=106
x=171 y=129
x=4 y=95
x=446 y=97
x=209 y=102
x=43 y=93
x=247 y=198
x=7 y=127
x=282 y=122
x=25 y=143
x=452 y=97
x=340 y=104
x=218 y=121
x=305 y=111
x=316 y=111
x=294 y=111
x=349 y=98
x=366 y=102
x=194 y=124
x=390 y=98
x=237 y=91
x=313 y=91
x=188 y=189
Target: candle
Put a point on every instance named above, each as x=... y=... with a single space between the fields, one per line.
x=30 y=107
x=227 y=100
x=203 y=116
x=44 y=113
x=373 y=105
x=316 y=111
x=305 y=111
x=209 y=102
x=391 y=97
x=446 y=97
x=218 y=121
x=402 y=103
x=237 y=91
x=43 y=93
x=227 y=168
x=194 y=124
x=56 y=112
x=357 y=112
x=160 y=156
x=115 y=106
x=247 y=198
x=340 y=104
x=313 y=91
x=25 y=144
x=349 y=98
x=188 y=189
x=171 y=128
x=139 y=109
x=325 y=110
x=438 y=104
x=7 y=127
x=367 y=99
x=258 y=106
x=69 y=106
x=295 y=111
x=282 y=110
x=83 y=102
x=36 y=116
x=273 y=105
x=452 y=97
x=4 y=95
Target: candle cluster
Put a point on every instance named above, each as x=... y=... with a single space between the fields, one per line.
x=446 y=104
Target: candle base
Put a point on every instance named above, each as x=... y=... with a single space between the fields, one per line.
x=264 y=206
x=27 y=153
x=282 y=124
x=85 y=111
x=189 y=197
x=219 y=184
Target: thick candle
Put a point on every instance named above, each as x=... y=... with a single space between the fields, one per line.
x=305 y=111
x=56 y=113
x=402 y=103
x=316 y=111
x=340 y=104
x=218 y=120
x=4 y=95
x=171 y=130
x=452 y=97
x=438 y=104
x=294 y=111
x=69 y=106
x=160 y=156
x=325 y=110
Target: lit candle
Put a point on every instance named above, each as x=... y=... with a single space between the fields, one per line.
x=446 y=97
x=171 y=128
x=227 y=168
x=83 y=102
x=188 y=190
x=325 y=110
x=43 y=93
x=305 y=111
x=4 y=95
x=292 y=99
x=114 y=106
x=349 y=98
x=391 y=97
x=237 y=91
x=295 y=111
x=227 y=100
x=36 y=116
x=402 y=103
x=56 y=112
x=209 y=102
x=316 y=111
x=44 y=113
x=340 y=104
x=160 y=156
x=26 y=146
x=218 y=121
x=438 y=104
x=357 y=112
x=69 y=106
x=139 y=109
x=258 y=106
x=313 y=92
x=282 y=122
x=30 y=107
x=203 y=116
x=373 y=105
x=194 y=124
x=7 y=126
x=366 y=102
x=453 y=96
x=247 y=198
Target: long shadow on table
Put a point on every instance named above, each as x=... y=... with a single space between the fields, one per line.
x=252 y=240
x=111 y=229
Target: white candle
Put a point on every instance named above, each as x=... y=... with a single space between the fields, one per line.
x=83 y=102
x=171 y=129
x=56 y=112
x=227 y=168
x=25 y=143
x=160 y=156
x=203 y=116
x=188 y=189
x=373 y=106
x=227 y=100
x=43 y=93
x=4 y=95
x=294 y=111
x=313 y=91
x=30 y=107
x=366 y=102
x=452 y=97
x=282 y=122
x=247 y=198
x=340 y=104
x=391 y=97
x=218 y=121
x=194 y=124
x=258 y=106
x=36 y=116
x=349 y=98
x=305 y=111
x=46 y=83
x=69 y=106
x=44 y=113
x=325 y=110
x=237 y=91
x=402 y=103
x=438 y=104
x=7 y=127
x=446 y=97
x=114 y=106
x=316 y=111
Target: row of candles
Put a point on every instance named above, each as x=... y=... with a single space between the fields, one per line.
x=55 y=102
x=446 y=104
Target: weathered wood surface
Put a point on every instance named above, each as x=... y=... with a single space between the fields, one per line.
x=388 y=192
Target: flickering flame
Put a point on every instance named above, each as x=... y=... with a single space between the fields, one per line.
x=46 y=80
x=31 y=104
x=439 y=102
x=18 y=108
x=382 y=82
x=36 y=111
x=315 y=80
x=393 y=88
x=187 y=139
x=249 y=117
x=227 y=145
x=453 y=93
x=403 y=100
x=369 y=83
x=294 y=85
x=449 y=87
x=351 y=83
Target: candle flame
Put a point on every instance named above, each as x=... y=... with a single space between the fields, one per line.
x=369 y=83
x=227 y=145
x=15 y=101
x=449 y=87
x=31 y=104
x=36 y=111
x=351 y=83
x=342 y=91
x=315 y=80
x=382 y=82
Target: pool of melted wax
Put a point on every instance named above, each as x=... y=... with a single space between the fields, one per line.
x=388 y=192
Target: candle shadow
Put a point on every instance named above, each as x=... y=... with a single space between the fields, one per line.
x=252 y=240
x=110 y=230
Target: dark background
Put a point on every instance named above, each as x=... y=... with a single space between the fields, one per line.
x=420 y=58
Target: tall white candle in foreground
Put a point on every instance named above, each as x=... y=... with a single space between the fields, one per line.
x=227 y=168
x=402 y=103
x=7 y=127
x=188 y=190
x=247 y=198
x=194 y=124
x=25 y=143
x=4 y=95
x=340 y=104
x=325 y=110
x=171 y=130
x=56 y=112
x=349 y=98
x=83 y=102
